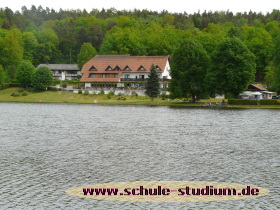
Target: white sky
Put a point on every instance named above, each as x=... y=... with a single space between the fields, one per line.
x=189 y=6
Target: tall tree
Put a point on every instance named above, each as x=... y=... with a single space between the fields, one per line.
x=87 y=52
x=24 y=73
x=233 y=67
x=48 y=45
x=123 y=41
x=259 y=42
x=152 y=88
x=189 y=66
x=276 y=66
x=3 y=78
x=11 y=51
x=30 y=45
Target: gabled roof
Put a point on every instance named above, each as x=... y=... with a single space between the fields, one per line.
x=101 y=62
x=68 y=67
x=257 y=87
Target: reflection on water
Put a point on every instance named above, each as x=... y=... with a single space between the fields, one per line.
x=48 y=148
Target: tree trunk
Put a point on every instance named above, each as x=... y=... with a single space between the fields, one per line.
x=193 y=97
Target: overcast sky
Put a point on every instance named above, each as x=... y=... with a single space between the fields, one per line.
x=189 y=6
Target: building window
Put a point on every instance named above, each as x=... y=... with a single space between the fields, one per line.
x=109 y=68
x=126 y=75
x=117 y=68
x=93 y=68
x=158 y=68
x=141 y=68
x=127 y=68
x=92 y=75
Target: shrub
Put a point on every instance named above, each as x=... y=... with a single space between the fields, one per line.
x=63 y=84
x=120 y=94
x=53 y=89
x=111 y=93
x=24 y=93
x=14 y=94
x=163 y=95
x=102 y=92
x=121 y=98
x=4 y=86
x=80 y=91
x=86 y=92
x=133 y=93
x=31 y=90
x=269 y=102
x=242 y=102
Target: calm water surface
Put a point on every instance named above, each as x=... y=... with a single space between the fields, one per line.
x=48 y=148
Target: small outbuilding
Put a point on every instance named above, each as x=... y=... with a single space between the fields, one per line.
x=257 y=92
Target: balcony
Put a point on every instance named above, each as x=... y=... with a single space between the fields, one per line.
x=133 y=79
x=58 y=75
x=141 y=79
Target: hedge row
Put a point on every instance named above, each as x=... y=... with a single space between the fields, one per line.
x=269 y=102
x=242 y=102
x=4 y=86
x=7 y=85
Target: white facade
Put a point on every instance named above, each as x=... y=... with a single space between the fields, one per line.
x=144 y=74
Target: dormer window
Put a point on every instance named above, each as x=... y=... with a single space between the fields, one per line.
x=141 y=68
x=127 y=68
x=117 y=68
x=109 y=68
x=93 y=68
x=158 y=68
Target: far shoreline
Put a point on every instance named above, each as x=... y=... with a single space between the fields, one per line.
x=61 y=97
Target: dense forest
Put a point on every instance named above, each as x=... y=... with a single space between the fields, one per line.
x=48 y=36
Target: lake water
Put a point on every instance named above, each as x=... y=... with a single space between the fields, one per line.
x=48 y=148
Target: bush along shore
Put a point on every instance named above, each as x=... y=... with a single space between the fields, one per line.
x=21 y=95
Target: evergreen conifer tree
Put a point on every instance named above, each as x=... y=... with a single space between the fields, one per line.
x=152 y=87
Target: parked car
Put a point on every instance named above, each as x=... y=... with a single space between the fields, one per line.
x=275 y=97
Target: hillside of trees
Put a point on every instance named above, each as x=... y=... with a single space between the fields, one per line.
x=43 y=35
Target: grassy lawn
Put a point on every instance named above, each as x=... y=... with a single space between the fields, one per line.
x=65 y=97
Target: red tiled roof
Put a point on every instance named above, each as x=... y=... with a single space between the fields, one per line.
x=102 y=62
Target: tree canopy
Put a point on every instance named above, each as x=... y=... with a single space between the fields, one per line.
x=24 y=73
x=189 y=66
x=43 y=35
x=41 y=78
x=87 y=52
x=233 y=67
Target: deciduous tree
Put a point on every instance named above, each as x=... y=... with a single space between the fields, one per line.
x=87 y=52
x=3 y=77
x=233 y=67
x=24 y=73
x=41 y=78
x=189 y=66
